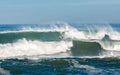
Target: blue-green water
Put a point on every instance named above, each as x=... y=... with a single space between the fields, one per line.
x=60 y=49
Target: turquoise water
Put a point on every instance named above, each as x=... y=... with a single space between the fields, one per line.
x=60 y=49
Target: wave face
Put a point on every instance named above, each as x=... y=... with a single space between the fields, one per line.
x=43 y=36
x=59 y=39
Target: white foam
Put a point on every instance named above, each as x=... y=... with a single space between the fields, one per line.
x=110 y=54
x=97 y=36
x=34 y=30
x=53 y=28
x=110 y=45
x=80 y=35
x=4 y=72
x=89 y=69
x=93 y=32
x=28 y=48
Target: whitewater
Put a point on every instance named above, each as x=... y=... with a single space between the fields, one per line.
x=59 y=39
x=60 y=48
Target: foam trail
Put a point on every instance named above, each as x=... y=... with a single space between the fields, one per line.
x=28 y=48
x=89 y=69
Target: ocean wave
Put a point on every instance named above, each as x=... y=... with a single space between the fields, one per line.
x=43 y=36
x=24 y=48
x=59 y=39
x=89 y=32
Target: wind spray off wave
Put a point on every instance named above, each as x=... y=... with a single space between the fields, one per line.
x=59 y=38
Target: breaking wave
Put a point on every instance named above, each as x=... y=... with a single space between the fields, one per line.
x=61 y=39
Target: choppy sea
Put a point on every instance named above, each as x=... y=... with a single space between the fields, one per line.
x=60 y=49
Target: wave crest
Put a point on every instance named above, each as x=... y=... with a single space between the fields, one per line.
x=28 y=48
x=93 y=40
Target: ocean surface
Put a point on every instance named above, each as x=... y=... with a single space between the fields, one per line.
x=60 y=49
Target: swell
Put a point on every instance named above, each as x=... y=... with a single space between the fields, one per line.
x=82 y=48
x=43 y=36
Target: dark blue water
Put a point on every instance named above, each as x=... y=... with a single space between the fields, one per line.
x=62 y=66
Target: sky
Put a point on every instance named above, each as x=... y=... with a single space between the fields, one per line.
x=72 y=11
